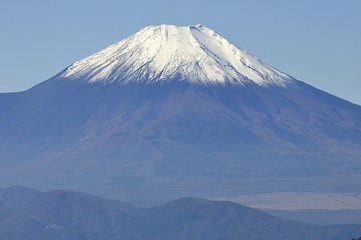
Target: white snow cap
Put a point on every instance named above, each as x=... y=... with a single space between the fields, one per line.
x=162 y=53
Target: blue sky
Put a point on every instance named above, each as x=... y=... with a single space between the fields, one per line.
x=318 y=42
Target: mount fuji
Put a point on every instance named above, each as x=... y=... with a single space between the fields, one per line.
x=178 y=111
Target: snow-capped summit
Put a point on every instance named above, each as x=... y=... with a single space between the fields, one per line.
x=166 y=52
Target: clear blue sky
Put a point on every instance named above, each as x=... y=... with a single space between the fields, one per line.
x=316 y=41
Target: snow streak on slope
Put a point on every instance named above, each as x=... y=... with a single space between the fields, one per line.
x=160 y=53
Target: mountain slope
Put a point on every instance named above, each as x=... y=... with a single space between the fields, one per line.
x=152 y=141
x=30 y=214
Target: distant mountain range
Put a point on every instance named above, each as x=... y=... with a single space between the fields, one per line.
x=176 y=111
x=30 y=214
